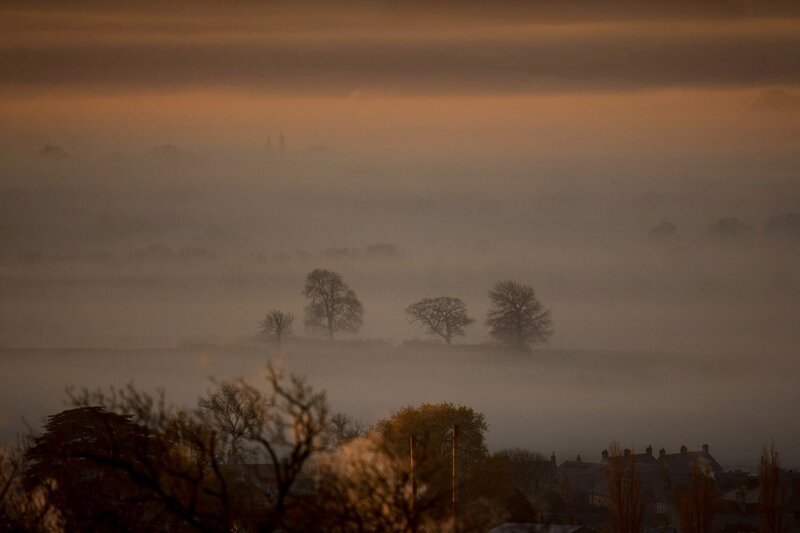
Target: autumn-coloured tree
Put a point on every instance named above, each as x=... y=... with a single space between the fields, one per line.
x=361 y=486
x=432 y=427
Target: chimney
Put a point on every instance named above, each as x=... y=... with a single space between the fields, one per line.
x=605 y=455
x=684 y=449
x=649 y=450
x=705 y=449
x=662 y=454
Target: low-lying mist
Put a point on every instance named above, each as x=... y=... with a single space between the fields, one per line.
x=567 y=401
x=156 y=249
x=674 y=299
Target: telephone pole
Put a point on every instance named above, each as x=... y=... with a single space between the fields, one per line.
x=412 y=474
x=455 y=478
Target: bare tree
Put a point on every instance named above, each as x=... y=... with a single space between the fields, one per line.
x=517 y=318
x=332 y=305
x=772 y=497
x=625 y=511
x=343 y=429
x=443 y=316
x=697 y=505
x=275 y=327
x=177 y=457
x=233 y=409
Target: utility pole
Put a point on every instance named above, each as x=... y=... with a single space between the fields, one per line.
x=455 y=477
x=413 y=475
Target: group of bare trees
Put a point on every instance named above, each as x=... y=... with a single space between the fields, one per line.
x=332 y=307
x=247 y=459
x=516 y=318
x=124 y=460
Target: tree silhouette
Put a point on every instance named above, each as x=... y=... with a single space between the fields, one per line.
x=275 y=327
x=332 y=305
x=517 y=318
x=625 y=511
x=432 y=427
x=233 y=409
x=697 y=505
x=443 y=316
x=772 y=495
x=176 y=458
x=67 y=464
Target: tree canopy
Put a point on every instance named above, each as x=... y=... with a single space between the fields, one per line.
x=443 y=316
x=517 y=318
x=432 y=427
x=332 y=305
x=275 y=327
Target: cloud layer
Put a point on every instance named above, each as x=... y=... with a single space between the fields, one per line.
x=476 y=50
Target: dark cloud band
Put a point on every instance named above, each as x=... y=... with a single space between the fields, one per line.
x=432 y=66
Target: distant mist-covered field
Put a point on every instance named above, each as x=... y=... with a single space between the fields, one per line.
x=567 y=401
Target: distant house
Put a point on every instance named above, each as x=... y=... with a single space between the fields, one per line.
x=679 y=465
x=739 y=508
x=585 y=484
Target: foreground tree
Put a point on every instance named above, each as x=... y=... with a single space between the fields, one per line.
x=697 y=504
x=22 y=509
x=162 y=469
x=625 y=510
x=443 y=316
x=275 y=327
x=233 y=409
x=431 y=425
x=772 y=495
x=69 y=462
x=332 y=305
x=361 y=487
x=517 y=318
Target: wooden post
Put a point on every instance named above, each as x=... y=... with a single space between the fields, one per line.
x=455 y=477
x=412 y=474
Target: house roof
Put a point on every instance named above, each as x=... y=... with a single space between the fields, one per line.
x=681 y=463
x=590 y=478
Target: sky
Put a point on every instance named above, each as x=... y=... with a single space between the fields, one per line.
x=368 y=77
x=147 y=199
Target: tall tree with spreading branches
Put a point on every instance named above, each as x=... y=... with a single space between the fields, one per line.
x=517 y=318
x=332 y=305
x=443 y=316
